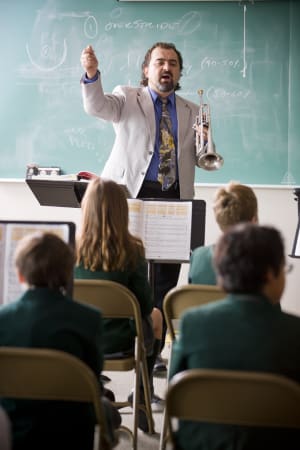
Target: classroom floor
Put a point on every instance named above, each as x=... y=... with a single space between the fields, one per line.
x=121 y=385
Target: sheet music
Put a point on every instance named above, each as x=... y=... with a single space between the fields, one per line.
x=297 y=247
x=136 y=217
x=164 y=227
x=10 y=234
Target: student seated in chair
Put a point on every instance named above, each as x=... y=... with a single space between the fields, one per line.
x=106 y=250
x=244 y=331
x=45 y=317
x=234 y=203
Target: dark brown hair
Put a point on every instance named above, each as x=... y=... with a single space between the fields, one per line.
x=45 y=260
x=244 y=254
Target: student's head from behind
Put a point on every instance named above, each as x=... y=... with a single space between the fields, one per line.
x=43 y=259
x=235 y=203
x=104 y=237
x=250 y=259
x=104 y=209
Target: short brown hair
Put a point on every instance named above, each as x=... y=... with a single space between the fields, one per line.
x=45 y=260
x=244 y=254
x=233 y=204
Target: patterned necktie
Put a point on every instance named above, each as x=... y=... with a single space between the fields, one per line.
x=167 y=155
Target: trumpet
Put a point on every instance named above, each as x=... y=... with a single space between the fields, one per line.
x=207 y=157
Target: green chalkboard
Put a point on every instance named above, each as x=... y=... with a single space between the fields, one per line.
x=244 y=55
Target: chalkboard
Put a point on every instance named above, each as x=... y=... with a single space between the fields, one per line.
x=244 y=55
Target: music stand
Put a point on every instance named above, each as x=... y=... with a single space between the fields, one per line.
x=296 y=244
x=66 y=193
x=197 y=232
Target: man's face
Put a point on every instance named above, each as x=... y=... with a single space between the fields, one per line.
x=163 y=71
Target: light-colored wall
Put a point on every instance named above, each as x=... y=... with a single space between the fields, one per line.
x=277 y=207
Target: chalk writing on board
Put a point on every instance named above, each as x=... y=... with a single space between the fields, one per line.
x=186 y=25
x=253 y=117
x=45 y=50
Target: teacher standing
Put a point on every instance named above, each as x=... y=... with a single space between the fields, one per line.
x=136 y=112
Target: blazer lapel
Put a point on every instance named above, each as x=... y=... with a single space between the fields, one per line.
x=184 y=114
x=146 y=105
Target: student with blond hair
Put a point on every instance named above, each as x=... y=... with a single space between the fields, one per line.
x=234 y=203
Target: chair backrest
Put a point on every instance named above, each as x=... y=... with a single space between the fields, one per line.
x=113 y=299
x=178 y=299
x=233 y=397
x=115 y=302
x=46 y=374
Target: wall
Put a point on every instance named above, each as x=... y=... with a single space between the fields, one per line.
x=243 y=54
x=276 y=207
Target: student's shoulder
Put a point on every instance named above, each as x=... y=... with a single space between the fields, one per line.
x=85 y=309
x=200 y=251
x=10 y=309
x=291 y=320
x=203 y=312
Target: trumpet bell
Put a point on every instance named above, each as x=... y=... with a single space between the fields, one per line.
x=210 y=161
x=206 y=156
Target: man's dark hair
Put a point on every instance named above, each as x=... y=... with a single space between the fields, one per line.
x=167 y=46
x=244 y=254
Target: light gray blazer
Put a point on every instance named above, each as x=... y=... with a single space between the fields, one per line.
x=132 y=113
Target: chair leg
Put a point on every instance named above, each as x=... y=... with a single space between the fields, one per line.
x=147 y=395
x=164 y=428
x=163 y=435
x=136 y=397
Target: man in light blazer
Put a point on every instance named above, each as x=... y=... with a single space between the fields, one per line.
x=244 y=331
x=135 y=113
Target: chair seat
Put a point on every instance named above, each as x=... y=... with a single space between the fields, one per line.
x=116 y=365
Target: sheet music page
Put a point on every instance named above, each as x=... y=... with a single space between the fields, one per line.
x=297 y=247
x=2 y=256
x=14 y=232
x=136 y=219
x=167 y=230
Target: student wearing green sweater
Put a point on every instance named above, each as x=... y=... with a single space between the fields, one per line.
x=247 y=330
x=233 y=204
x=107 y=250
